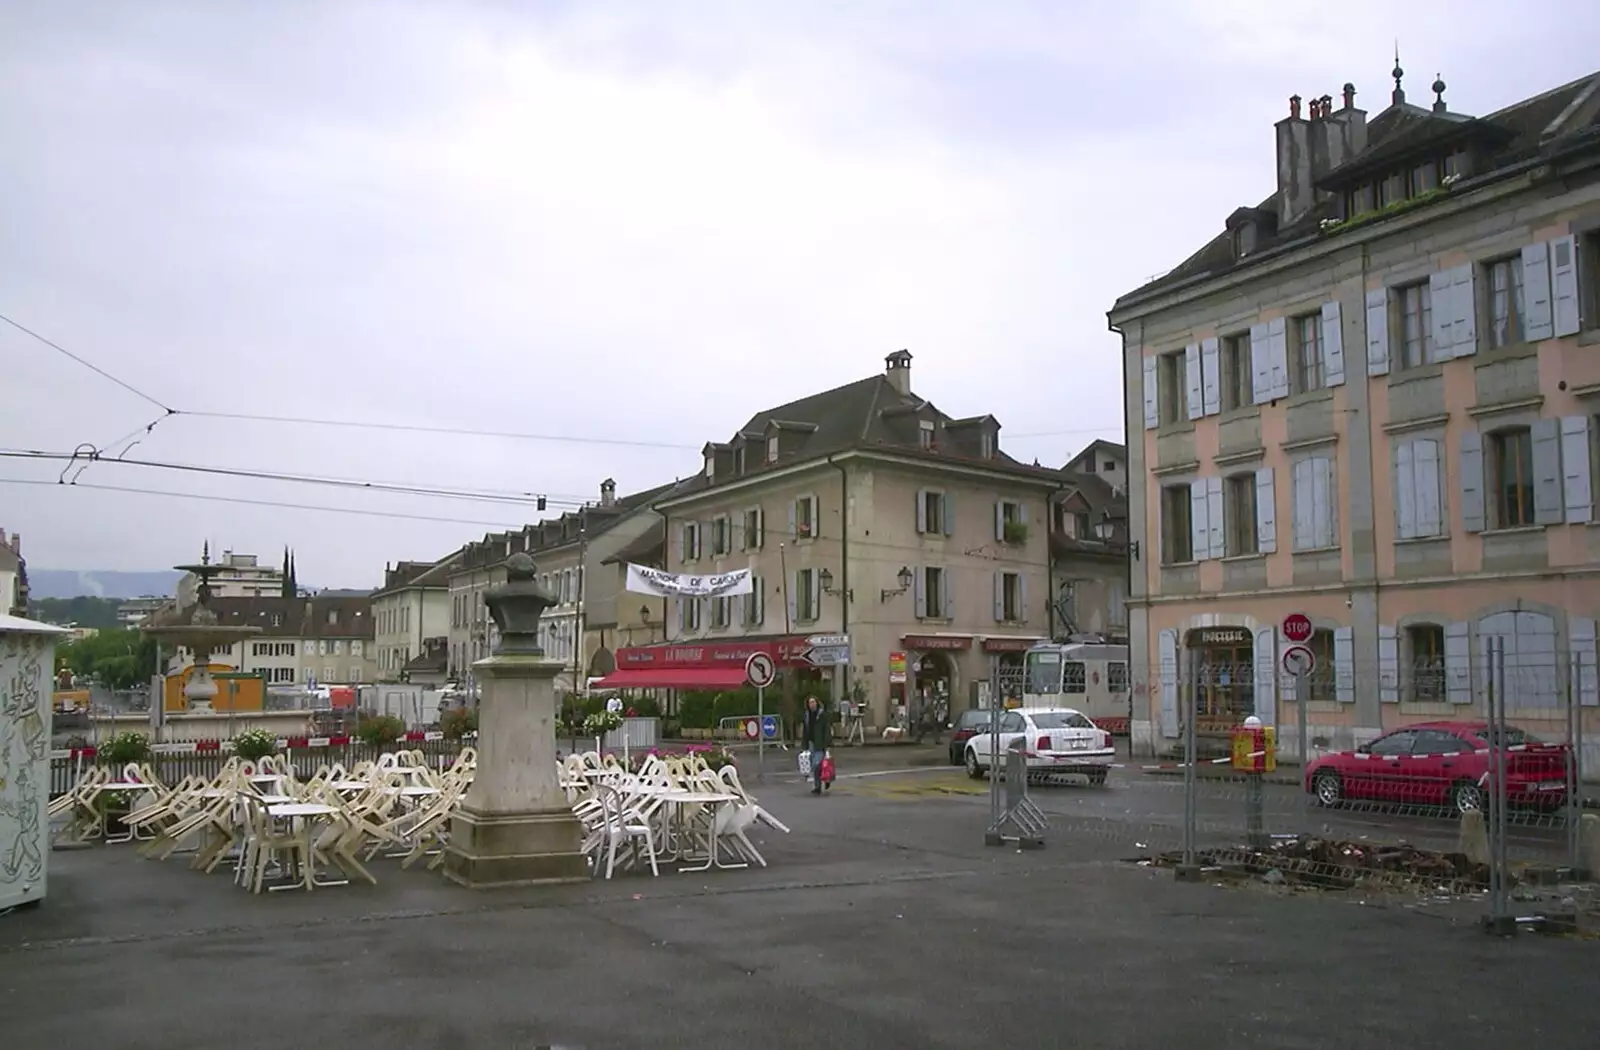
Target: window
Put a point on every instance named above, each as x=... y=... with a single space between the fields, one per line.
x=1116 y=677
x=1363 y=200
x=1589 y=279
x=330 y=674
x=753 y=530
x=689 y=614
x=1510 y=455
x=925 y=434
x=772 y=449
x=1424 y=660
x=1323 y=679
x=719 y=612
x=1008 y=604
x=1081 y=529
x=1117 y=602
x=711 y=464
x=1177 y=534
x=1315 y=513
x=932 y=605
x=689 y=541
x=1073 y=679
x=1239 y=514
x=805 y=518
x=1044 y=672
x=738 y=460
x=1393 y=189
x=806 y=598
x=986 y=445
x=1309 y=371
x=1010 y=525
x=1506 y=305
x=355 y=674
x=1418 y=489
x=755 y=603
x=721 y=536
x=1424 y=177
x=1438 y=742
x=1456 y=163
x=1237 y=377
x=1393 y=745
x=355 y=648
x=1414 y=307
x=1170 y=387
x=932 y=507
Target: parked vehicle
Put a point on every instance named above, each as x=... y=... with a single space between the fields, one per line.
x=962 y=730
x=1442 y=764
x=1053 y=739
x=1090 y=676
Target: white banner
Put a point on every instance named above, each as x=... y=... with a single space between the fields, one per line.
x=643 y=580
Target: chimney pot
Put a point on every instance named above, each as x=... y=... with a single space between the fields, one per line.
x=898 y=369
x=1349 y=96
x=1294 y=107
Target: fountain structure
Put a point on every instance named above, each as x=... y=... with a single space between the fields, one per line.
x=196 y=629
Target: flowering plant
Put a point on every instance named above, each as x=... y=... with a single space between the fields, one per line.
x=601 y=722
x=255 y=743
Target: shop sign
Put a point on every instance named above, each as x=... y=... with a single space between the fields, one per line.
x=928 y=642
x=787 y=651
x=1212 y=637
x=1009 y=645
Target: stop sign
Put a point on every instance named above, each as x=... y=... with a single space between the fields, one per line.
x=1297 y=627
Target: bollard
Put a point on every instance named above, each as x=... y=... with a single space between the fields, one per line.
x=1255 y=752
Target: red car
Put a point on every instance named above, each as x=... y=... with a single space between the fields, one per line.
x=1441 y=764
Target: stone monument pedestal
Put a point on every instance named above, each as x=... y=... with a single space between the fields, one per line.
x=515 y=826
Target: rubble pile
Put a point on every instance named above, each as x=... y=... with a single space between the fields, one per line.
x=1332 y=864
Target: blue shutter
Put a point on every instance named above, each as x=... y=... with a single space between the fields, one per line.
x=949 y=593
x=1196 y=385
x=1463 y=311
x=1278 y=335
x=1577 y=482
x=1266 y=512
x=1344 y=673
x=1549 y=504
x=1333 y=343
x=1217 y=542
x=1538 y=322
x=1022 y=597
x=1301 y=506
x=948 y=513
x=1211 y=374
x=1443 y=315
x=919 y=595
x=1199 y=529
x=922 y=510
x=1266 y=658
x=1388 y=665
x=999 y=597
x=1260 y=363
x=1473 y=512
x=761 y=528
x=1378 y=332
x=1152 y=404
x=1566 y=316
x=1405 y=492
x=1427 y=474
x=794 y=520
x=1167 y=670
x=1458 y=663
x=678 y=547
x=1585 y=685
x=794 y=596
x=999 y=519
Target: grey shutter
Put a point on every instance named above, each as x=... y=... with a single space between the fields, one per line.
x=1152 y=404
x=1443 y=316
x=1549 y=503
x=949 y=593
x=682 y=614
x=1266 y=658
x=922 y=511
x=743 y=604
x=1333 y=343
x=1565 y=315
x=1388 y=665
x=1427 y=475
x=1344 y=670
x=999 y=597
x=1196 y=387
x=1278 y=336
x=744 y=538
x=1473 y=514
x=1463 y=311
x=999 y=519
x=678 y=549
x=1577 y=482
x=816 y=516
x=1325 y=498
x=1538 y=322
x=1260 y=363
x=920 y=592
x=1211 y=374
x=1300 y=506
x=761 y=528
x=1022 y=597
x=1167 y=670
x=1199 y=531
x=948 y=512
x=1378 y=332
x=1405 y=492
x=1581 y=641
x=1266 y=512
x=760 y=616
x=794 y=520
x=794 y=595
x=1458 y=663
x=1217 y=545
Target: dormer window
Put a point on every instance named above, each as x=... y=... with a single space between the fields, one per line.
x=772 y=449
x=986 y=445
x=925 y=434
x=738 y=460
x=711 y=464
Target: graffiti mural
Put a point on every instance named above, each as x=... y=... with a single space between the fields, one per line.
x=24 y=750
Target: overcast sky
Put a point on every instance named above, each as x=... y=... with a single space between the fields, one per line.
x=638 y=222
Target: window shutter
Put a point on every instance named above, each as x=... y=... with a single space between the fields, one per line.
x=794 y=596
x=1564 y=312
x=1388 y=665
x=794 y=520
x=1458 y=663
x=1463 y=311
x=680 y=614
x=678 y=547
x=922 y=511
x=1472 y=508
x=744 y=540
x=1167 y=669
x=920 y=594
x=1300 y=505
x=1581 y=640
x=1344 y=671
x=1333 y=343
x=743 y=603
x=1022 y=597
x=1199 y=530
x=1266 y=659
x=1444 y=332
x=1218 y=545
x=1405 y=492
x=1196 y=387
x=1152 y=405
x=1537 y=321
x=1378 y=332
x=947 y=585
x=948 y=512
x=816 y=516
x=1022 y=512
x=1427 y=475
x=1549 y=503
x=1266 y=512
x=760 y=608
x=1260 y=363
x=761 y=528
x=1211 y=374
x=1577 y=481
x=999 y=597
x=999 y=520
x=1278 y=335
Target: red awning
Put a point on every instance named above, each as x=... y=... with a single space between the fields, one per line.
x=673 y=678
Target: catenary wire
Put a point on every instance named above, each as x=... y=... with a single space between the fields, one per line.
x=96 y=369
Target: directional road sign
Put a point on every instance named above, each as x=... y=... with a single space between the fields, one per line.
x=760 y=670
x=769 y=727
x=1299 y=661
x=828 y=641
x=828 y=655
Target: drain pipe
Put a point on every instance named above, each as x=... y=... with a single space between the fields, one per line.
x=844 y=565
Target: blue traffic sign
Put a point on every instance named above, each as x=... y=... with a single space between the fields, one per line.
x=769 y=727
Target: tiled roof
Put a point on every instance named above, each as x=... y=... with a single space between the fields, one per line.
x=552 y=533
x=1092 y=495
x=649 y=549
x=419 y=574
x=292 y=617
x=1509 y=136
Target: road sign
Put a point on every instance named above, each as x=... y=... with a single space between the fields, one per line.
x=1299 y=661
x=752 y=728
x=760 y=671
x=828 y=655
x=769 y=727
x=1297 y=628
x=828 y=641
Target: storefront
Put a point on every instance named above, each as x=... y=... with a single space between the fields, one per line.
x=712 y=665
x=1007 y=664
x=1223 y=673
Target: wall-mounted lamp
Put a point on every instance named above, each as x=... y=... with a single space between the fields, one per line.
x=905 y=576
x=1106 y=528
x=825 y=577
x=644 y=613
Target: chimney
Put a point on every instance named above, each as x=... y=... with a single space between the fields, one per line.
x=608 y=493
x=1337 y=137
x=898 y=369
x=16 y=543
x=1294 y=164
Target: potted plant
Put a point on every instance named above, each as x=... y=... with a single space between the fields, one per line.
x=255 y=744
x=380 y=731
x=1016 y=532
x=123 y=748
x=599 y=724
x=458 y=722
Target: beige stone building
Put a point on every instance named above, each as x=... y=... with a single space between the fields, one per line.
x=1089 y=548
x=867 y=511
x=323 y=639
x=411 y=607
x=1372 y=399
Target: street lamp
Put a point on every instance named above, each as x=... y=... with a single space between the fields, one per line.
x=825 y=577
x=905 y=576
x=1106 y=528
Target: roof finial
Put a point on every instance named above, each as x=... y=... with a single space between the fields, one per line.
x=1438 y=93
x=1399 y=95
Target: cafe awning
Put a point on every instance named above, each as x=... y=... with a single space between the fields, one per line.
x=673 y=678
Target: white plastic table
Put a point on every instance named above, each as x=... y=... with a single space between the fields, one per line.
x=304 y=814
x=680 y=800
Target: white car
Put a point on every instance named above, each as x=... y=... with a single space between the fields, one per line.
x=1053 y=740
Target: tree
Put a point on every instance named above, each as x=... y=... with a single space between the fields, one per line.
x=84 y=610
x=117 y=659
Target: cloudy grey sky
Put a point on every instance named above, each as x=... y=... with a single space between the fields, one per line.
x=637 y=222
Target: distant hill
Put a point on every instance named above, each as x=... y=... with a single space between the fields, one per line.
x=99 y=583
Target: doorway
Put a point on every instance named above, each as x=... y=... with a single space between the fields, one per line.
x=1224 y=677
x=932 y=687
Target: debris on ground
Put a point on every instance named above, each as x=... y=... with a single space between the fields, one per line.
x=1334 y=864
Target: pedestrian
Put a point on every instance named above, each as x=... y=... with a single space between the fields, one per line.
x=816 y=735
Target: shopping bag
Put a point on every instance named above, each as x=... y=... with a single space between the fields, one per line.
x=805 y=764
x=827 y=769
